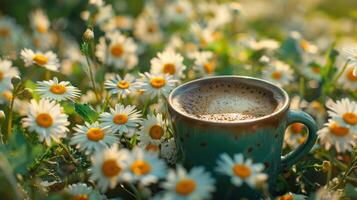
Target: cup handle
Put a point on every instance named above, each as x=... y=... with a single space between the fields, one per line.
x=301 y=117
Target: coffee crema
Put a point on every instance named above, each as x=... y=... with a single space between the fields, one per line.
x=226 y=101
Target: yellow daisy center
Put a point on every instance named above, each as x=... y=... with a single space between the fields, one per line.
x=110 y=168
x=120 y=119
x=80 y=197
x=316 y=69
x=350 y=75
x=117 y=50
x=7 y=95
x=156 y=132
x=241 y=170
x=297 y=128
x=304 y=45
x=179 y=9
x=185 y=187
x=41 y=28
x=119 y=20
x=169 y=68
x=58 y=89
x=209 y=67
x=40 y=59
x=140 y=167
x=157 y=82
x=316 y=106
x=44 y=120
x=152 y=147
x=5 y=32
x=151 y=28
x=339 y=130
x=123 y=84
x=276 y=75
x=286 y=197
x=95 y=134
x=350 y=118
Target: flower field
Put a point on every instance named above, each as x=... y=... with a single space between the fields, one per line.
x=84 y=87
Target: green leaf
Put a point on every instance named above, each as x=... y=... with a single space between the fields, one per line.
x=86 y=112
x=351 y=191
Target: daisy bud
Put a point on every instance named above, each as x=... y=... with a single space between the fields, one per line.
x=15 y=80
x=260 y=180
x=2 y=115
x=326 y=166
x=88 y=35
x=26 y=93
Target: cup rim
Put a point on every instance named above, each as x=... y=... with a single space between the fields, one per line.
x=273 y=87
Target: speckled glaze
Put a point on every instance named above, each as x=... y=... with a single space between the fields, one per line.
x=200 y=142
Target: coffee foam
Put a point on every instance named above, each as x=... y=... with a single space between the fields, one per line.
x=226 y=101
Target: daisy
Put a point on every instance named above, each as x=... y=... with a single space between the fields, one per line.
x=103 y=14
x=122 y=87
x=157 y=84
x=47 y=60
x=203 y=35
x=121 y=118
x=47 y=119
x=295 y=135
x=216 y=15
x=344 y=112
x=39 y=21
x=11 y=37
x=55 y=90
x=306 y=46
x=80 y=191
x=97 y=3
x=118 y=22
x=278 y=73
x=7 y=71
x=291 y=196
x=168 y=62
x=6 y=95
x=178 y=11
x=239 y=170
x=92 y=137
x=351 y=54
x=147 y=28
x=204 y=63
x=333 y=134
x=348 y=80
x=312 y=71
x=118 y=50
x=195 y=184
x=108 y=167
x=145 y=167
x=153 y=130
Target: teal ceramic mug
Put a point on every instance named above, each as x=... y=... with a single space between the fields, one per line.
x=200 y=142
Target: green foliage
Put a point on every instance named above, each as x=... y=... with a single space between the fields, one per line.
x=86 y=112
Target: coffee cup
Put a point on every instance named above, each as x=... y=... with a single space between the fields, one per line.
x=216 y=115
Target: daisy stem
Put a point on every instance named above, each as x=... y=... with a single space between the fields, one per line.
x=340 y=73
x=146 y=105
x=302 y=87
x=91 y=77
x=126 y=190
x=136 y=191
x=9 y=121
x=65 y=148
x=16 y=89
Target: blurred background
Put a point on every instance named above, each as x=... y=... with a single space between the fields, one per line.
x=311 y=17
